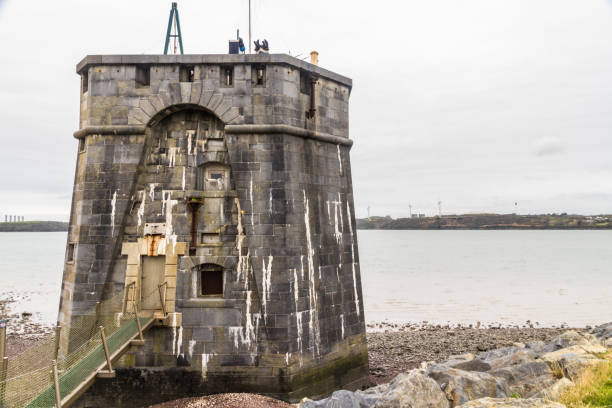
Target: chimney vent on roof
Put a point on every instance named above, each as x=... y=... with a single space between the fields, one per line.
x=314 y=57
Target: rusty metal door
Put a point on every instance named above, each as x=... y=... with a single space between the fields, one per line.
x=153 y=268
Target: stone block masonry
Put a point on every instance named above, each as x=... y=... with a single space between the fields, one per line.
x=233 y=193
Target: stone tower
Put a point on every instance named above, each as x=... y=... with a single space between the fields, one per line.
x=227 y=179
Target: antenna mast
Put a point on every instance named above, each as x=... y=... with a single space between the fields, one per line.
x=250 y=39
x=174 y=17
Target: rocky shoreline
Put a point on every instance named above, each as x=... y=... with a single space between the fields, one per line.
x=532 y=374
x=394 y=348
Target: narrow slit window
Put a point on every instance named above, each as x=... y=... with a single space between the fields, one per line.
x=305 y=83
x=186 y=74
x=259 y=75
x=70 y=254
x=227 y=76
x=211 y=281
x=143 y=76
x=84 y=82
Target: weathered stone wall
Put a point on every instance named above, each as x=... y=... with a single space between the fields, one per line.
x=280 y=225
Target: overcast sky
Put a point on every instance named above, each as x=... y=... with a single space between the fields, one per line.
x=476 y=103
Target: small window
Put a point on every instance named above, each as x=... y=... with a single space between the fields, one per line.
x=305 y=83
x=212 y=177
x=186 y=73
x=259 y=75
x=143 y=76
x=211 y=281
x=70 y=253
x=84 y=82
x=227 y=76
x=82 y=145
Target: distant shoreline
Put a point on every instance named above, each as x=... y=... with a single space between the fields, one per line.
x=489 y=222
x=34 y=226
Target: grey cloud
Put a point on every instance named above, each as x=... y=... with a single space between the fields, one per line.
x=549 y=146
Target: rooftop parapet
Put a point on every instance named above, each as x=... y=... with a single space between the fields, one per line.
x=282 y=59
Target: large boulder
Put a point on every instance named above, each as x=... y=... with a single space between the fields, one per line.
x=339 y=399
x=461 y=386
x=511 y=403
x=467 y=362
x=539 y=347
x=507 y=356
x=526 y=379
x=413 y=390
x=572 y=338
x=571 y=361
x=604 y=334
x=554 y=392
x=371 y=395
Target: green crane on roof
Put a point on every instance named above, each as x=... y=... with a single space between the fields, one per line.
x=174 y=17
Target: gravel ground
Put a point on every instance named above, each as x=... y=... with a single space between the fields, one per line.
x=22 y=330
x=398 y=348
x=225 y=401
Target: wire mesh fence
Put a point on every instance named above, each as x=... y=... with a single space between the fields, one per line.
x=77 y=350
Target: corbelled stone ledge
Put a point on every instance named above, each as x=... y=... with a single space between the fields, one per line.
x=211 y=59
x=235 y=129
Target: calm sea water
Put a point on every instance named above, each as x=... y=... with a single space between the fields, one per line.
x=550 y=277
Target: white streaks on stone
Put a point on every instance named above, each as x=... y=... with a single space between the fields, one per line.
x=141 y=210
x=237 y=335
x=168 y=205
x=339 y=159
x=113 y=205
x=194 y=284
x=243 y=261
x=270 y=203
x=183 y=178
x=300 y=329
x=296 y=289
x=152 y=191
x=338 y=218
x=267 y=283
x=313 y=325
x=240 y=228
x=190 y=134
x=179 y=341
x=174 y=341
x=118 y=317
x=350 y=223
x=172 y=156
x=250 y=332
x=340 y=212
x=342 y=324
x=298 y=315
x=205 y=360
x=252 y=205
x=190 y=349
x=302 y=263
x=287 y=359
